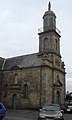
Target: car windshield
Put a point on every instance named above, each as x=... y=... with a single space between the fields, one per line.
x=69 y=105
x=51 y=108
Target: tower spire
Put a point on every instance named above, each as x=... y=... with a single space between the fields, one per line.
x=49 y=6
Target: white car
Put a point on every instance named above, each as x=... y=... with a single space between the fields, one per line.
x=68 y=108
x=51 y=112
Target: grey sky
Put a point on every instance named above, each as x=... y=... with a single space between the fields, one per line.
x=19 y=23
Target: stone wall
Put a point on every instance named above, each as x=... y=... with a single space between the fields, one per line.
x=14 y=81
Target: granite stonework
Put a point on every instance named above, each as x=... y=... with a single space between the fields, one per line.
x=30 y=81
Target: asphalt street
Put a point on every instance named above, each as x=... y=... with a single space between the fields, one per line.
x=27 y=115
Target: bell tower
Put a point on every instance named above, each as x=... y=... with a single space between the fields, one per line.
x=49 y=37
x=49 y=51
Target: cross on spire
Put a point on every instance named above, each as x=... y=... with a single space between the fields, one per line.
x=49 y=6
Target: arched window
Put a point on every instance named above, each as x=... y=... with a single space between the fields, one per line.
x=45 y=45
x=25 y=90
x=51 y=23
x=5 y=90
x=56 y=43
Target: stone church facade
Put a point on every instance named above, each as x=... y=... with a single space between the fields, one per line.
x=29 y=81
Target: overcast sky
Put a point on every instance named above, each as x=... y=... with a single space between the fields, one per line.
x=19 y=23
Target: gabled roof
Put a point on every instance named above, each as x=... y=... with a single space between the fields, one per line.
x=24 y=61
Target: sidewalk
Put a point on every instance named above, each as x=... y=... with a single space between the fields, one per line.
x=21 y=115
x=17 y=118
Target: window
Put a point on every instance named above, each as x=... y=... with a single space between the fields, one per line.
x=45 y=44
x=51 y=23
x=25 y=90
x=5 y=90
x=58 y=97
x=56 y=43
x=0 y=106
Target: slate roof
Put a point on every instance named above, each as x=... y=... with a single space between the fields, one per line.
x=31 y=60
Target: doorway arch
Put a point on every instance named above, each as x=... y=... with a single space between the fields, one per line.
x=58 y=97
x=14 y=100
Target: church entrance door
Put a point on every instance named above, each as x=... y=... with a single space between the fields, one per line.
x=58 y=97
x=14 y=99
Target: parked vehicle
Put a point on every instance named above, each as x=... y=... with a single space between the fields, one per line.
x=50 y=112
x=68 y=108
x=2 y=111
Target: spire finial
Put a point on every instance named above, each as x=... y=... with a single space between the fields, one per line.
x=49 y=6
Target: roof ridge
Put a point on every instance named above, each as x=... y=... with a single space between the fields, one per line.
x=22 y=55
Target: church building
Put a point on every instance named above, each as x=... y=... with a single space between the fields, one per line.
x=32 y=80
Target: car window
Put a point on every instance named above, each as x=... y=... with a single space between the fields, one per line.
x=51 y=108
x=0 y=106
x=70 y=104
